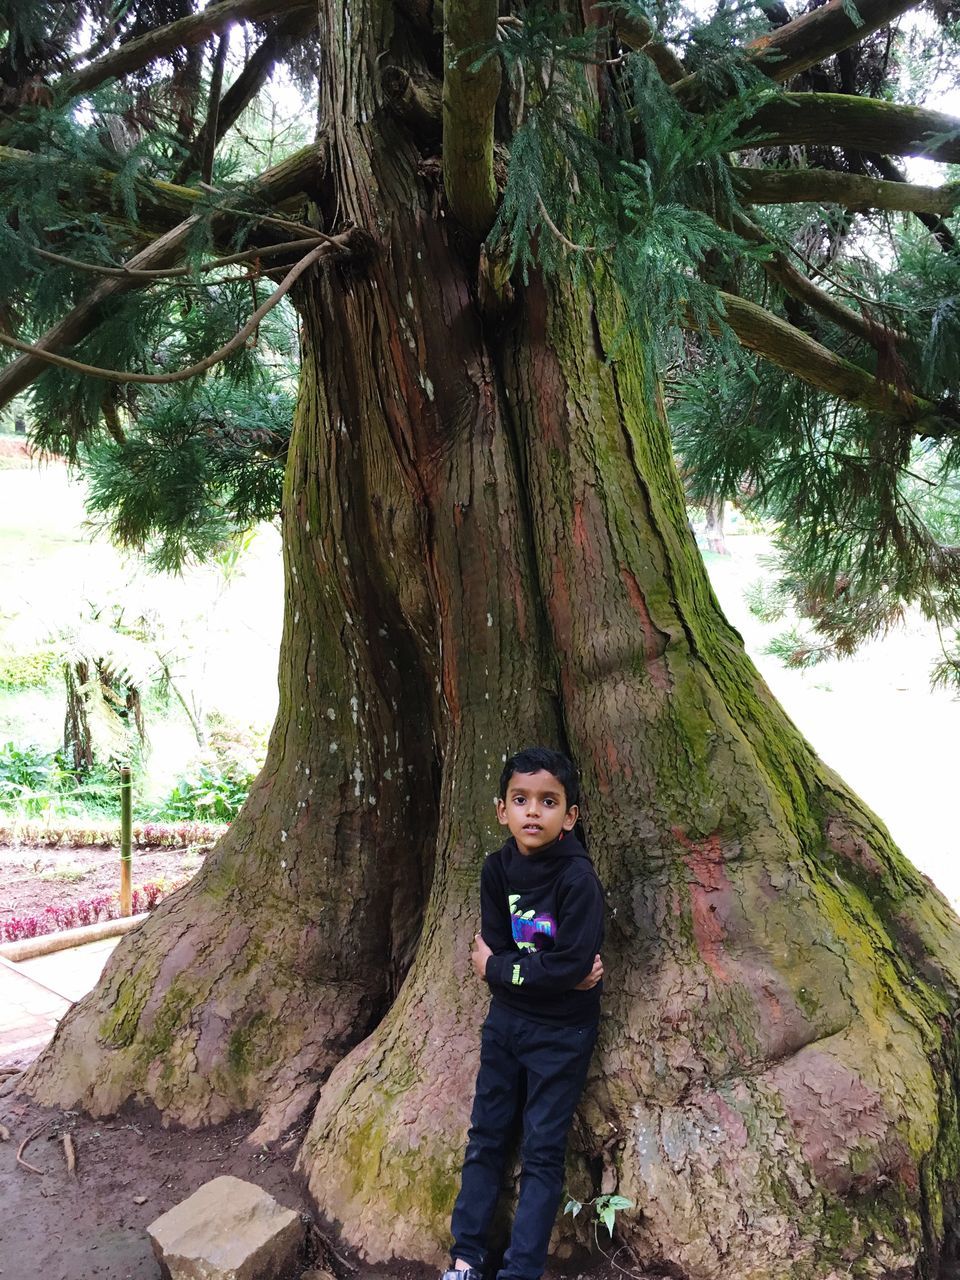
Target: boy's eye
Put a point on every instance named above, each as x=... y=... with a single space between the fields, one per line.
x=549 y=802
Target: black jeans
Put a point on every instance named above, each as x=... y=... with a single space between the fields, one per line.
x=546 y=1065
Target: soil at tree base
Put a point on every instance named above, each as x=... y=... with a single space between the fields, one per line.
x=58 y=1227
x=29 y=881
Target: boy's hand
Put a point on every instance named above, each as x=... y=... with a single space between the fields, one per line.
x=479 y=956
x=593 y=977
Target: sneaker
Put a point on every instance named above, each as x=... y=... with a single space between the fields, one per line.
x=469 y=1273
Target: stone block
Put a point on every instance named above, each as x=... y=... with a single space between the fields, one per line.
x=227 y=1230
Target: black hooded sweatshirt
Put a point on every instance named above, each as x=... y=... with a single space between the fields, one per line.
x=541 y=915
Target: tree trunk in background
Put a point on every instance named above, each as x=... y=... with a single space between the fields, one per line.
x=716 y=542
x=486 y=545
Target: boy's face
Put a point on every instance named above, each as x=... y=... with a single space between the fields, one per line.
x=535 y=810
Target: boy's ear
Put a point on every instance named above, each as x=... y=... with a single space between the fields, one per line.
x=501 y=812
x=570 y=817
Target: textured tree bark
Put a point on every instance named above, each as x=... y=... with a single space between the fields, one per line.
x=245 y=987
x=486 y=544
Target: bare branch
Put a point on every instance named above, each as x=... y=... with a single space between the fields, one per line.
x=183 y=33
x=852 y=190
x=469 y=101
x=860 y=124
x=127 y=272
x=346 y=242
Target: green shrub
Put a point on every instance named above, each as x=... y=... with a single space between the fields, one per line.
x=29 y=670
x=35 y=783
x=206 y=794
x=216 y=787
x=29 y=779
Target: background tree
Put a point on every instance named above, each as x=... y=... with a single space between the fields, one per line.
x=493 y=239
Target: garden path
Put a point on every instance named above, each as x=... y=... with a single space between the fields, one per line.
x=35 y=994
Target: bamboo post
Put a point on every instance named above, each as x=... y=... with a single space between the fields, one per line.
x=126 y=842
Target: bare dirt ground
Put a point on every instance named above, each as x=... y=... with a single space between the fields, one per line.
x=130 y=1169
x=32 y=879
x=54 y=1226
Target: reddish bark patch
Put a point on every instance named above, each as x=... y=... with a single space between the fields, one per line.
x=560 y=606
x=844 y=1132
x=850 y=845
x=718 y=1110
x=705 y=862
x=546 y=373
x=655 y=641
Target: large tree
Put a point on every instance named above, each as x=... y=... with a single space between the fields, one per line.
x=486 y=545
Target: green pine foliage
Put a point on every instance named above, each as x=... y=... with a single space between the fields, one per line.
x=198 y=464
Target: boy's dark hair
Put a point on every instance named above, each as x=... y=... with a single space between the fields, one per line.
x=533 y=759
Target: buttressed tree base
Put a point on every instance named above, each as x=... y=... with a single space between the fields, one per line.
x=486 y=545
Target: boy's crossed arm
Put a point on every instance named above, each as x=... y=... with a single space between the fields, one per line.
x=571 y=965
x=481 y=953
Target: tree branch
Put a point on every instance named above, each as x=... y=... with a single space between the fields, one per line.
x=852 y=190
x=18 y=375
x=796 y=352
x=811 y=38
x=418 y=103
x=248 y=84
x=274 y=184
x=183 y=33
x=147 y=275
x=469 y=101
x=932 y=221
x=779 y=268
x=164 y=204
x=862 y=124
x=348 y=242
x=638 y=34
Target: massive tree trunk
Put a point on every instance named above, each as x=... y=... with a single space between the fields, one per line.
x=486 y=545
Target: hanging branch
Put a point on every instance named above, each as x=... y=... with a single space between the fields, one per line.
x=852 y=190
x=184 y=33
x=351 y=242
x=18 y=375
x=469 y=102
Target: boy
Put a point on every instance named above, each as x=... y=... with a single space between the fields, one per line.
x=541 y=926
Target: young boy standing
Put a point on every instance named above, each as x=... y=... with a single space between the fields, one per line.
x=541 y=928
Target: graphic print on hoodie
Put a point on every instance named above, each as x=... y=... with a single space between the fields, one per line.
x=542 y=916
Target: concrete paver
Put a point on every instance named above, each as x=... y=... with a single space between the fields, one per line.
x=35 y=994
